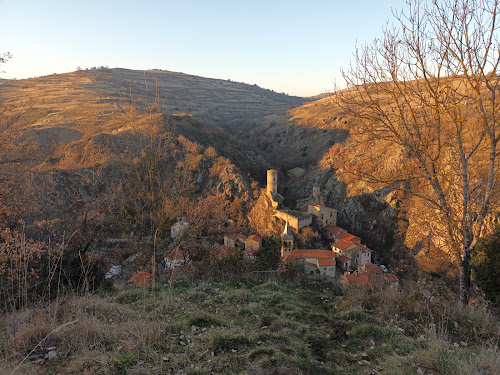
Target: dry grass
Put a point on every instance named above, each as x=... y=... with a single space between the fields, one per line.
x=266 y=327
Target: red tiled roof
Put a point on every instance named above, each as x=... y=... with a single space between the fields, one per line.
x=342 y=245
x=141 y=279
x=304 y=208
x=333 y=229
x=312 y=265
x=226 y=251
x=364 y=250
x=313 y=253
x=343 y=259
x=250 y=251
x=349 y=237
x=326 y=262
x=176 y=254
x=240 y=237
x=391 y=277
x=370 y=267
x=255 y=238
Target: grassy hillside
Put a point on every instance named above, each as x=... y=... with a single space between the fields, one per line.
x=252 y=325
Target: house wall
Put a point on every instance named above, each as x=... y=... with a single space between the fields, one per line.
x=254 y=245
x=365 y=258
x=327 y=271
x=229 y=242
x=324 y=215
x=296 y=223
x=355 y=255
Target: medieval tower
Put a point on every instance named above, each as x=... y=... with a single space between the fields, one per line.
x=287 y=237
x=272 y=181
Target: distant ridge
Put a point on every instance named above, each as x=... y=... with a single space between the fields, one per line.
x=223 y=102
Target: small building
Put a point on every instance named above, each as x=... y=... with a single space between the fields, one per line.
x=343 y=262
x=141 y=279
x=365 y=255
x=350 y=249
x=179 y=229
x=324 y=215
x=253 y=242
x=175 y=258
x=296 y=219
x=235 y=240
x=315 y=261
x=249 y=254
x=331 y=232
x=349 y=237
x=371 y=276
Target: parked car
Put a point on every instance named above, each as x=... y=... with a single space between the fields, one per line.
x=383 y=268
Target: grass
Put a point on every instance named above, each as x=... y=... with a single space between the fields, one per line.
x=264 y=327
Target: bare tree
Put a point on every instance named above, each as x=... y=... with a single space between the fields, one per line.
x=423 y=98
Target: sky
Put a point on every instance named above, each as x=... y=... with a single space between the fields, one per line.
x=295 y=47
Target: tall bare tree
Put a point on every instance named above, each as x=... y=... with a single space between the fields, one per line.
x=423 y=97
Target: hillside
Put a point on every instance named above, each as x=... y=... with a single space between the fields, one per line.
x=252 y=325
x=93 y=97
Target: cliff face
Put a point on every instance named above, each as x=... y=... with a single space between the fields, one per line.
x=261 y=218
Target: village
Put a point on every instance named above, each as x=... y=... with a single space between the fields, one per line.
x=346 y=257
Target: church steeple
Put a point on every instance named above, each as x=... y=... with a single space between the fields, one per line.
x=287 y=239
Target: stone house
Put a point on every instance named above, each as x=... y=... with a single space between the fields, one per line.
x=249 y=254
x=174 y=259
x=371 y=276
x=349 y=238
x=351 y=247
x=343 y=262
x=296 y=219
x=253 y=242
x=324 y=215
x=331 y=232
x=235 y=240
x=316 y=262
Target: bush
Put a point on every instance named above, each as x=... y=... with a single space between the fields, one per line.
x=485 y=266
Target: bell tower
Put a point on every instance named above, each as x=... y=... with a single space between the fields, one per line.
x=287 y=238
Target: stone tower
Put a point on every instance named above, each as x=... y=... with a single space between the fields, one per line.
x=272 y=181
x=316 y=192
x=287 y=237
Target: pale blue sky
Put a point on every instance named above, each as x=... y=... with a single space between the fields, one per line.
x=296 y=47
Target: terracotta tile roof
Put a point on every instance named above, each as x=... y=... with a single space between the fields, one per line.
x=356 y=279
x=312 y=265
x=370 y=275
x=237 y=238
x=342 y=245
x=349 y=237
x=365 y=249
x=178 y=254
x=313 y=254
x=326 y=262
x=391 y=277
x=304 y=208
x=370 y=268
x=333 y=229
x=226 y=251
x=250 y=251
x=255 y=238
x=141 y=279
x=343 y=259
x=232 y=236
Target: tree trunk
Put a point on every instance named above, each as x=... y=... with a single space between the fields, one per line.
x=465 y=278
